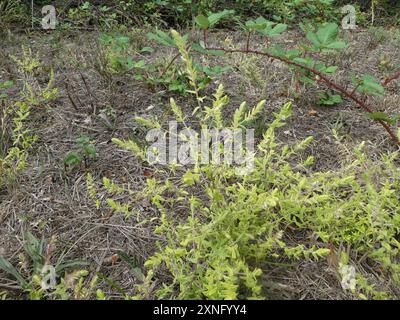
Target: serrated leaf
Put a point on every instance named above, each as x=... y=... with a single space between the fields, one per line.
x=312 y=37
x=370 y=85
x=73 y=159
x=327 y=33
x=278 y=29
x=216 y=17
x=383 y=116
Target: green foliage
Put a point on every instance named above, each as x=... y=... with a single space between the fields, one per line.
x=265 y=27
x=328 y=99
x=174 y=76
x=32 y=276
x=384 y=116
x=88 y=13
x=33 y=93
x=13 y=11
x=219 y=229
x=326 y=38
x=369 y=85
x=85 y=151
x=16 y=137
x=116 y=52
x=172 y=13
x=181 y=12
x=230 y=225
x=303 y=61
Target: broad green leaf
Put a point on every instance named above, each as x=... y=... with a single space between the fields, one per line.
x=312 y=37
x=161 y=37
x=383 y=116
x=202 y=21
x=308 y=61
x=73 y=159
x=216 y=17
x=251 y=25
x=331 y=69
x=278 y=29
x=370 y=85
x=147 y=50
x=328 y=33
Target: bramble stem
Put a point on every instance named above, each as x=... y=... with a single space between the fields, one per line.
x=329 y=82
x=392 y=78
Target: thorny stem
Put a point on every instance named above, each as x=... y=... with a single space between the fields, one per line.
x=355 y=89
x=330 y=83
x=392 y=78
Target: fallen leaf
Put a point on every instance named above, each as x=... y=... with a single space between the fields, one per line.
x=112 y=259
x=148 y=173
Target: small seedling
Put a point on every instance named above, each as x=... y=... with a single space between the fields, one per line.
x=85 y=150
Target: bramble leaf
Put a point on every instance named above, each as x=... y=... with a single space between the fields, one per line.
x=202 y=21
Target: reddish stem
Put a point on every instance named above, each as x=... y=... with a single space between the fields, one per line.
x=392 y=78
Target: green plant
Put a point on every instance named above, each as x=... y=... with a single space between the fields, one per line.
x=85 y=151
x=17 y=137
x=13 y=11
x=39 y=277
x=89 y=14
x=4 y=115
x=116 y=54
x=175 y=76
x=306 y=66
x=13 y=157
x=230 y=225
x=327 y=98
x=33 y=93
